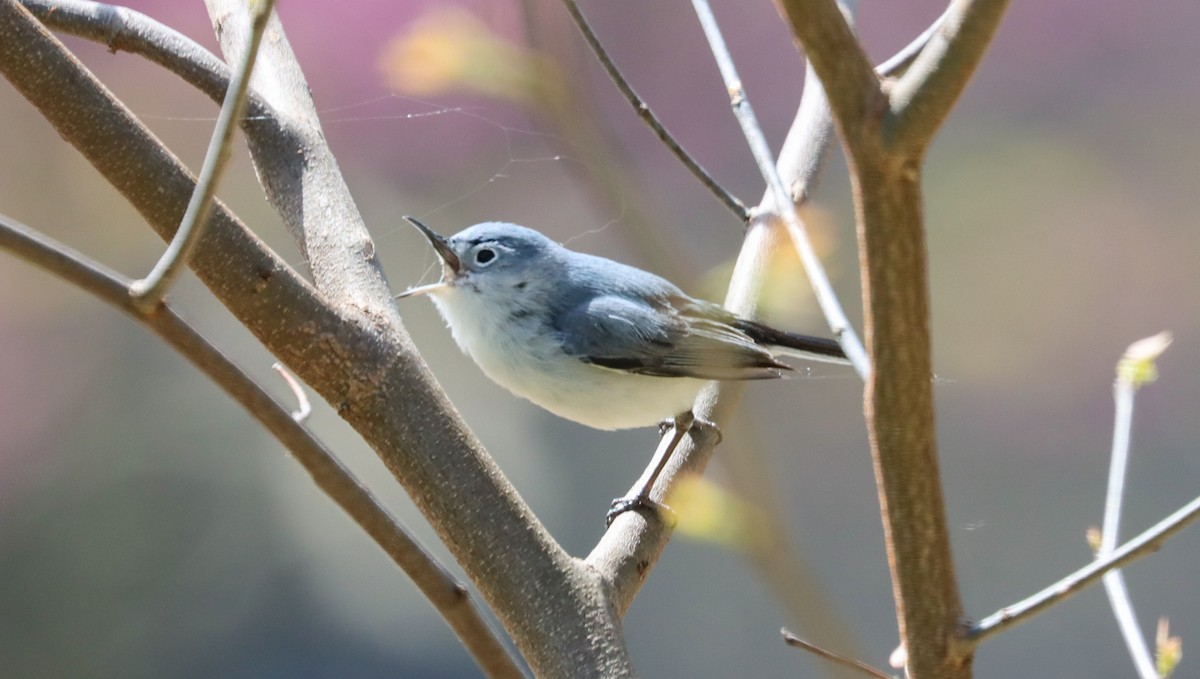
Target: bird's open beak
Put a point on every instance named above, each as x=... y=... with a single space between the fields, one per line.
x=451 y=264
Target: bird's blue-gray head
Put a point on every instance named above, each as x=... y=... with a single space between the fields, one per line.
x=491 y=255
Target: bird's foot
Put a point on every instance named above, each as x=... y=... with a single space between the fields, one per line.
x=640 y=503
x=688 y=422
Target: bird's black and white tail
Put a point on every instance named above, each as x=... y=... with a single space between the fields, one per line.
x=794 y=344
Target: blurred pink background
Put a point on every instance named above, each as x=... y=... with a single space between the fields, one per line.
x=149 y=528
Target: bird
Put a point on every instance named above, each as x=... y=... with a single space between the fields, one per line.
x=592 y=340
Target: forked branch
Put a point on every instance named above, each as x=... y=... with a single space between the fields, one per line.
x=448 y=596
x=347 y=343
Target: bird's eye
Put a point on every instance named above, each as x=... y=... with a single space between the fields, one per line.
x=485 y=256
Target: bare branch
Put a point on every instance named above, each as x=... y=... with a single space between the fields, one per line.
x=799 y=164
x=1134 y=369
x=854 y=91
x=124 y=29
x=302 y=179
x=632 y=545
x=347 y=344
x=449 y=597
x=1147 y=542
x=804 y=149
x=736 y=206
x=899 y=399
x=806 y=145
x=899 y=410
x=149 y=291
x=771 y=550
x=1122 y=605
x=826 y=297
x=795 y=641
x=922 y=98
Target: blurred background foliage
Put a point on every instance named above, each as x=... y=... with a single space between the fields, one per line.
x=148 y=528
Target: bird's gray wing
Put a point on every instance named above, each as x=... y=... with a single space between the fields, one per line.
x=658 y=337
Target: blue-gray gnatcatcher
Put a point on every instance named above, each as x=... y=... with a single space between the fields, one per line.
x=592 y=340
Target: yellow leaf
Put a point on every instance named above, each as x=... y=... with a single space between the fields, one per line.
x=449 y=49
x=1168 y=650
x=1137 y=365
x=708 y=512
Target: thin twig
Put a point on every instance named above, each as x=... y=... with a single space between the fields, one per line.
x=772 y=551
x=304 y=408
x=149 y=291
x=575 y=115
x=730 y=201
x=822 y=288
x=1122 y=606
x=124 y=29
x=923 y=97
x=895 y=64
x=1119 y=461
x=1114 y=583
x=795 y=641
x=1131 y=374
x=1149 y=541
x=448 y=596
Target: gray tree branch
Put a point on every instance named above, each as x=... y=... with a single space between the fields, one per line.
x=449 y=597
x=633 y=544
x=123 y=29
x=149 y=291
x=353 y=352
x=1146 y=543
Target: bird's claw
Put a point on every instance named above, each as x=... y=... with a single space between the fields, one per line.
x=687 y=421
x=636 y=503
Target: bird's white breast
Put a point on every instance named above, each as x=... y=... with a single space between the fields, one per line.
x=518 y=350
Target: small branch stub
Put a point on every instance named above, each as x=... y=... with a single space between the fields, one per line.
x=304 y=408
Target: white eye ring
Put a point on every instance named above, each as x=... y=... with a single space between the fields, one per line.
x=485 y=256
